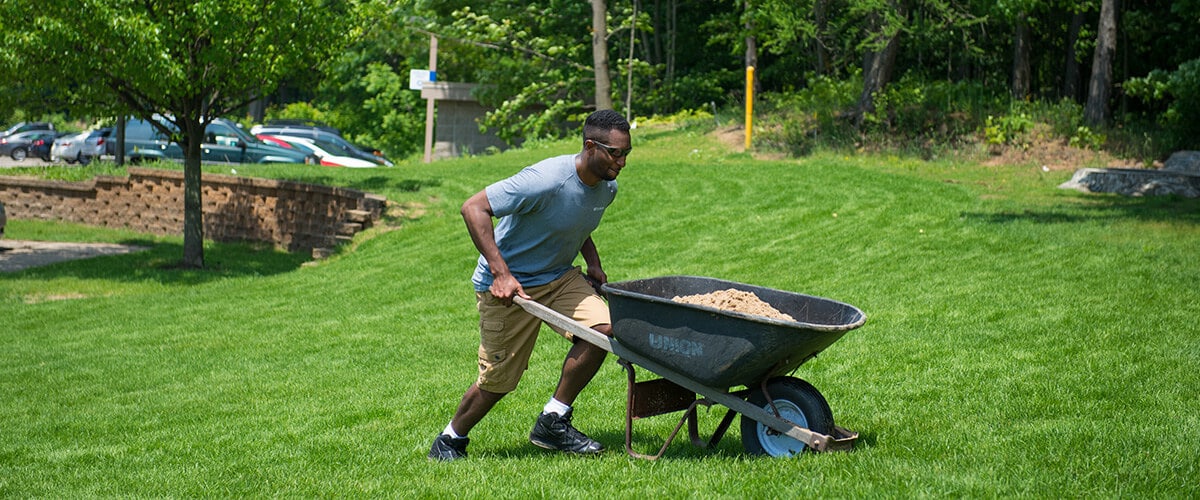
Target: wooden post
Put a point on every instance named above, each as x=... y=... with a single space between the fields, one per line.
x=429 y=103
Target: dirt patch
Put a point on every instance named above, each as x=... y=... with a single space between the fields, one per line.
x=1056 y=155
x=736 y=301
x=733 y=138
x=1041 y=150
x=16 y=255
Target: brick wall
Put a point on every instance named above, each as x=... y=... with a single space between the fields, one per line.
x=290 y=215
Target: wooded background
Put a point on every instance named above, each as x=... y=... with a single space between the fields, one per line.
x=1123 y=62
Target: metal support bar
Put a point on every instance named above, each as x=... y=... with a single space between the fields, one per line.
x=814 y=440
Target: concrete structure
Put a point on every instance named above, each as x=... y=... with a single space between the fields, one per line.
x=458 y=114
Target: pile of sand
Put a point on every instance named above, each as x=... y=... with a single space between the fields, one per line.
x=737 y=301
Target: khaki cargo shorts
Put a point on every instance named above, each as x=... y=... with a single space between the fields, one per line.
x=507 y=334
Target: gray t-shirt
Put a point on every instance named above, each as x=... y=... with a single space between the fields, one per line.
x=546 y=213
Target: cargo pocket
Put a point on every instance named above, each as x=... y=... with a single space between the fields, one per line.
x=494 y=373
x=492 y=347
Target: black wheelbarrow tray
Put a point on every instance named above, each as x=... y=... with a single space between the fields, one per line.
x=740 y=361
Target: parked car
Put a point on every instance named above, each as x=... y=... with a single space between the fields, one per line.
x=27 y=127
x=67 y=146
x=18 y=145
x=329 y=135
x=323 y=150
x=40 y=148
x=95 y=145
x=82 y=147
x=224 y=142
x=301 y=124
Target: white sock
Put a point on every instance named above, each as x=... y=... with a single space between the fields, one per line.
x=556 y=406
x=450 y=432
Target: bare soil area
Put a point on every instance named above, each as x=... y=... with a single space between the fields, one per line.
x=1042 y=150
x=1057 y=155
x=16 y=255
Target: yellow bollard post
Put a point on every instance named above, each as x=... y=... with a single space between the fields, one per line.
x=749 y=103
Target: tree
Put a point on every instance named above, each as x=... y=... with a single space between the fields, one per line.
x=1021 y=72
x=600 y=54
x=884 y=28
x=1070 y=77
x=188 y=61
x=1095 y=113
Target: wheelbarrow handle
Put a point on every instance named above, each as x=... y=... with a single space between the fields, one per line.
x=574 y=327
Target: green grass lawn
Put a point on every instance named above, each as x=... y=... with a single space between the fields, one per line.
x=1021 y=341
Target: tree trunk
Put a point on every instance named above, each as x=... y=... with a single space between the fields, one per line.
x=600 y=54
x=1095 y=113
x=878 y=65
x=193 y=210
x=1020 y=68
x=1070 y=83
x=823 y=60
x=629 y=71
x=672 y=18
x=751 y=44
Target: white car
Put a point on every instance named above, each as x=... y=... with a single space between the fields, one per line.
x=319 y=148
x=67 y=147
x=82 y=147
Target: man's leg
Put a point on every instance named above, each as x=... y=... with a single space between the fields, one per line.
x=553 y=430
x=582 y=363
x=451 y=444
x=507 y=336
x=475 y=404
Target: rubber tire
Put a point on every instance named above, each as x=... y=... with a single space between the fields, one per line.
x=799 y=402
x=19 y=154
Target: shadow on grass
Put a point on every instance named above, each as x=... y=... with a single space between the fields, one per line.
x=377 y=184
x=614 y=445
x=160 y=263
x=649 y=443
x=1148 y=209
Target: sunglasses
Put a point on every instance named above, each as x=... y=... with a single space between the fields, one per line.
x=613 y=152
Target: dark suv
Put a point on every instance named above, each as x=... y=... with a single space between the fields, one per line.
x=26 y=127
x=224 y=142
x=325 y=134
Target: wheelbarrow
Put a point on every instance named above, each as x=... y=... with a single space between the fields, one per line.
x=706 y=355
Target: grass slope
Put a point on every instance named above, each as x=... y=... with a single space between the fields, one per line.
x=1021 y=341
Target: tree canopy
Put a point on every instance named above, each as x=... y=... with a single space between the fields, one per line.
x=665 y=56
x=190 y=61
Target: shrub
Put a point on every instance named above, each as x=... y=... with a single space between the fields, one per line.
x=1180 y=91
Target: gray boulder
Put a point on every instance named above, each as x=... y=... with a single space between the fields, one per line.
x=1183 y=161
x=1135 y=182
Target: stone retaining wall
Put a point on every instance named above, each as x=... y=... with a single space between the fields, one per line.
x=290 y=215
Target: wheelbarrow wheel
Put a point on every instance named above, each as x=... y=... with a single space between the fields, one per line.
x=798 y=402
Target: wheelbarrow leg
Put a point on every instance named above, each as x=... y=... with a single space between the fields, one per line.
x=650 y=398
x=660 y=396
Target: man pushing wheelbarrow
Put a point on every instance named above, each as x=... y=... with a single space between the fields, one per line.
x=740 y=358
x=546 y=214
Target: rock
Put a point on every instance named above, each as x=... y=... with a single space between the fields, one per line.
x=1183 y=161
x=1135 y=182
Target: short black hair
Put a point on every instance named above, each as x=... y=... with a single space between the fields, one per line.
x=602 y=122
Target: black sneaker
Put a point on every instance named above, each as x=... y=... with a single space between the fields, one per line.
x=446 y=448
x=554 y=432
